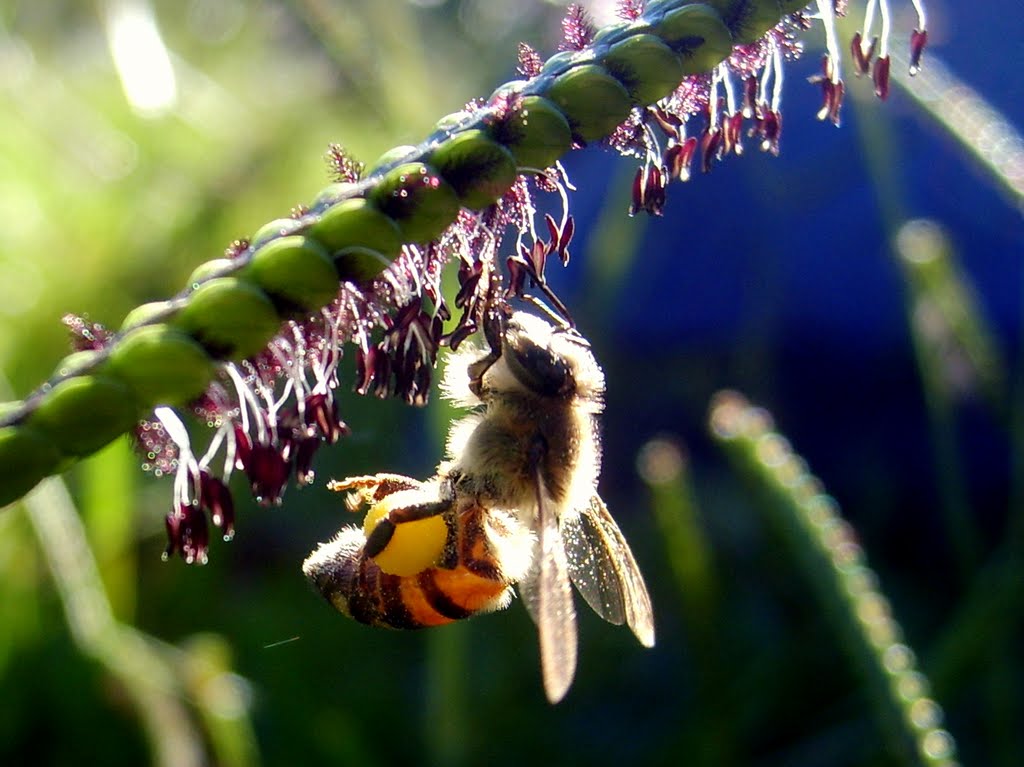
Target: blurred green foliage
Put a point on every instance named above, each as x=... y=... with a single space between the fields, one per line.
x=104 y=205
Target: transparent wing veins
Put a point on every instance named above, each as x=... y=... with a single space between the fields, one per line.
x=592 y=568
x=547 y=593
x=604 y=570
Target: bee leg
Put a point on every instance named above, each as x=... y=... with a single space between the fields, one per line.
x=494 y=331
x=378 y=540
x=376 y=485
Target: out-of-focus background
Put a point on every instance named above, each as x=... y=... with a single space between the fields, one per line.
x=139 y=138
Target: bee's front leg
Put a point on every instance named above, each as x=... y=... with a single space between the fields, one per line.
x=374 y=486
x=494 y=331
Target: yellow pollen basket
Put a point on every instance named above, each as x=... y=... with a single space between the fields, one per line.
x=414 y=547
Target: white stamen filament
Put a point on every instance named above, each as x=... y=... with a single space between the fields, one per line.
x=730 y=92
x=716 y=76
x=921 y=20
x=363 y=338
x=771 y=66
x=214 y=446
x=828 y=21
x=187 y=467
x=869 y=22
x=247 y=399
x=777 y=92
x=529 y=215
x=326 y=362
x=883 y=48
x=564 y=185
x=654 y=151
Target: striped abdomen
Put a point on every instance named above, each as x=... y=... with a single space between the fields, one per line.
x=469 y=581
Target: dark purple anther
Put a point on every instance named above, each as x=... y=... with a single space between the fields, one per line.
x=668 y=122
x=637 y=202
x=304 y=451
x=322 y=412
x=770 y=130
x=880 y=74
x=710 y=143
x=918 y=40
x=187 y=534
x=215 y=496
x=862 y=58
x=732 y=127
x=268 y=471
x=243 y=447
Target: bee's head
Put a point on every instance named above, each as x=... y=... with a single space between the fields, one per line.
x=549 y=361
x=534 y=361
x=528 y=356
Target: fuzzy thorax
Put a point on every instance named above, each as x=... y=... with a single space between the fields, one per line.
x=544 y=389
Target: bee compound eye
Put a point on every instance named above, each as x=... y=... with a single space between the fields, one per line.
x=537 y=367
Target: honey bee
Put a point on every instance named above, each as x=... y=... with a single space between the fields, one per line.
x=514 y=504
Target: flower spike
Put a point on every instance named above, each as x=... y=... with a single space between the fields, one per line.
x=252 y=343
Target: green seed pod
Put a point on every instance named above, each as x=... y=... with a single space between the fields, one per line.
x=332 y=194
x=76 y=362
x=748 y=19
x=479 y=169
x=217 y=267
x=279 y=227
x=154 y=311
x=393 y=155
x=162 y=365
x=82 y=414
x=611 y=34
x=559 y=62
x=296 y=273
x=361 y=240
x=592 y=100
x=231 y=318
x=648 y=68
x=359 y=265
x=451 y=122
x=536 y=133
x=507 y=90
x=26 y=456
x=698 y=33
x=416 y=197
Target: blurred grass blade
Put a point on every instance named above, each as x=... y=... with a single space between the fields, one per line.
x=154 y=675
x=108 y=493
x=127 y=654
x=832 y=562
x=663 y=467
x=955 y=339
x=445 y=716
x=979 y=127
x=222 y=699
x=955 y=355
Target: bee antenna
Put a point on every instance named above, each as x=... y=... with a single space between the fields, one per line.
x=560 y=315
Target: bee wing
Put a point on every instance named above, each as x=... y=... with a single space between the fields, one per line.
x=592 y=567
x=548 y=597
x=602 y=566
